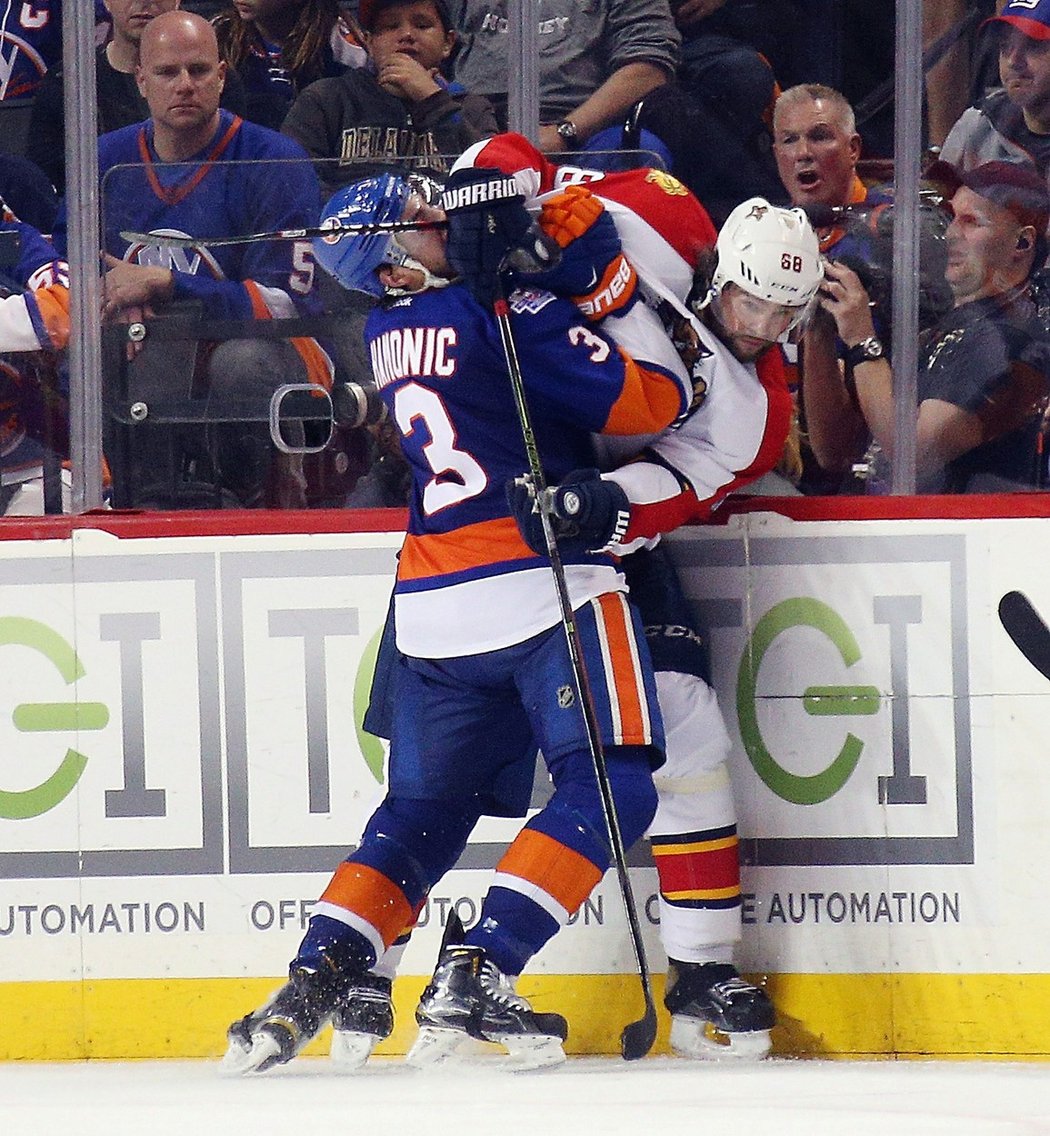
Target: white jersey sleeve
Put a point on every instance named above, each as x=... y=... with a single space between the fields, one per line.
x=35 y=321
x=734 y=433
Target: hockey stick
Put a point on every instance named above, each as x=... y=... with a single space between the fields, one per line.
x=1026 y=628
x=333 y=232
x=637 y=1037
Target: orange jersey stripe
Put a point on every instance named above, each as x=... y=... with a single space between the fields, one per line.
x=650 y=401
x=52 y=302
x=472 y=546
x=623 y=677
x=371 y=896
x=565 y=875
x=318 y=365
x=260 y=311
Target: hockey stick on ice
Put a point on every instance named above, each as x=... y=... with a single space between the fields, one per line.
x=333 y=232
x=1026 y=628
x=637 y=1037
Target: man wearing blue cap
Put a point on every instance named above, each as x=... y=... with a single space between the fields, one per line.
x=1012 y=123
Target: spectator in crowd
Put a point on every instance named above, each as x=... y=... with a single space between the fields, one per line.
x=817 y=148
x=983 y=71
x=119 y=101
x=28 y=192
x=951 y=81
x=596 y=61
x=732 y=54
x=399 y=111
x=31 y=43
x=984 y=368
x=1011 y=123
x=278 y=47
x=224 y=184
x=34 y=326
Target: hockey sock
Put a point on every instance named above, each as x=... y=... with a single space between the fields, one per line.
x=699 y=875
x=328 y=940
x=560 y=855
x=406 y=847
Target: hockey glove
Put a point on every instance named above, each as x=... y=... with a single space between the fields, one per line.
x=587 y=513
x=592 y=270
x=486 y=219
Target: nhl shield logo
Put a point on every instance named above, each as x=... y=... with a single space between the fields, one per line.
x=566 y=697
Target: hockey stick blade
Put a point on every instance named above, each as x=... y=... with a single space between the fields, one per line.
x=638 y=1037
x=334 y=232
x=1027 y=629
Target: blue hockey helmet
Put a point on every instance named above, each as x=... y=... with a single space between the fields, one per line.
x=353 y=259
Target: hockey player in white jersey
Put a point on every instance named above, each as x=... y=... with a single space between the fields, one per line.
x=724 y=311
x=761 y=285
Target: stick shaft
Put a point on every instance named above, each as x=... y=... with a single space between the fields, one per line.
x=335 y=232
x=641 y=1041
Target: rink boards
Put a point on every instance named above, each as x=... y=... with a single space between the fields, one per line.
x=182 y=765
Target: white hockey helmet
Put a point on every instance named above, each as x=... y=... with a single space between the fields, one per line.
x=770 y=252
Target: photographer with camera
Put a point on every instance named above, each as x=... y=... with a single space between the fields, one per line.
x=984 y=364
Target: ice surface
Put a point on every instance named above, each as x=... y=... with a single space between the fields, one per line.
x=591 y=1096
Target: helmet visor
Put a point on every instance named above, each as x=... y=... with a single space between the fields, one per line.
x=752 y=317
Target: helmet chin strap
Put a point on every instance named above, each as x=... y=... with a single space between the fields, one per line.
x=429 y=279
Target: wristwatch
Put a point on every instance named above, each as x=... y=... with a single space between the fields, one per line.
x=867 y=349
x=568 y=133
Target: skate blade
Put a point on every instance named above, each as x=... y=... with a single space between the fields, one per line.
x=350 y=1050
x=530 y=1051
x=239 y=1060
x=434 y=1047
x=701 y=1041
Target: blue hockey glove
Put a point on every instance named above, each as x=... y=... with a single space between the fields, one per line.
x=486 y=219
x=587 y=512
x=592 y=269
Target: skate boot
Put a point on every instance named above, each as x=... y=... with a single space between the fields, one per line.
x=716 y=1014
x=469 y=996
x=358 y=1004
x=278 y=1030
x=363 y=1017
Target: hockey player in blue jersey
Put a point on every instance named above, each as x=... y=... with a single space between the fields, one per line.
x=478 y=627
x=195 y=170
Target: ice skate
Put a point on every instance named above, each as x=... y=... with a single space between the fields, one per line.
x=364 y=1016
x=470 y=997
x=358 y=1005
x=716 y=1014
